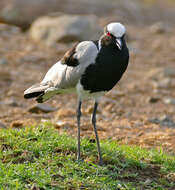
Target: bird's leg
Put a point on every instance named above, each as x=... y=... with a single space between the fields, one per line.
x=78 y=124
x=96 y=134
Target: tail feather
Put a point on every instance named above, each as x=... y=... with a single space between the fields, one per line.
x=33 y=95
x=42 y=92
x=35 y=91
x=45 y=96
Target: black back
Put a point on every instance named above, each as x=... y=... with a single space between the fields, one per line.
x=108 y=68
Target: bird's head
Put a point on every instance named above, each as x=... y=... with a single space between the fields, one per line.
x=114 y=32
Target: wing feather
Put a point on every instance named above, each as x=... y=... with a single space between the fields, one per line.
x=69 y=58
x=63 y=76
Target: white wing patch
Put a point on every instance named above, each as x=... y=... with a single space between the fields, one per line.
x=54 y=74
x=63 y=76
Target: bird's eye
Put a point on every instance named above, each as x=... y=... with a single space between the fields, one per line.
x=108 y=34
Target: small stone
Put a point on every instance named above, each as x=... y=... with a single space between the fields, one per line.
x=154 y=73
x=63 y=124
x=152 y=99
x=41 y=108
x=168 y=122
x=158 y=28
x=65 y=28
x=164 y=83
x=17 y=124
x=164 y=120
x=11 y=102
x=158 y=73
x=140 y=134
x=169 y=101
x=59 y=124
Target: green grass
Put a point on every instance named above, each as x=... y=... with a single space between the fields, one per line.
x=40 y=158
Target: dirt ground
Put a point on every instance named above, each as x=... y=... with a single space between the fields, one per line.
x=138 y=111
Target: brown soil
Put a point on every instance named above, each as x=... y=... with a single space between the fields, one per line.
x=134 y=112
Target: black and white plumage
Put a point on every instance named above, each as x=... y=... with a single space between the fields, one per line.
x=90 y=68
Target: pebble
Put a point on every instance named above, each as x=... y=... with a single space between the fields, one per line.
x=17 y=124
x=65 y=28
x=164 y=120
x=63 y=124
x=158 y=28
x=158 y=73
x=164 y=83
x=41 y=108
x=11 y=102
x=169 y=101
x=152 y=99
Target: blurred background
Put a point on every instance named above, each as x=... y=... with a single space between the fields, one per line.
x=139 y=110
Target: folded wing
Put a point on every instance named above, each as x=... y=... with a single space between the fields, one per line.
x=64 y=74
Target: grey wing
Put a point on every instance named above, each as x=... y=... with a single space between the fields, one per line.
x=66 y=73
x=63 y=75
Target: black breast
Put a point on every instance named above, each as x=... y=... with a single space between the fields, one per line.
x=107 y=70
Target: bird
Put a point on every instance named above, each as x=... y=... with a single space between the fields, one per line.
x=90 y=69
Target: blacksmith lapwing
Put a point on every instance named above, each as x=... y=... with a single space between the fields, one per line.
x=91 y=68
